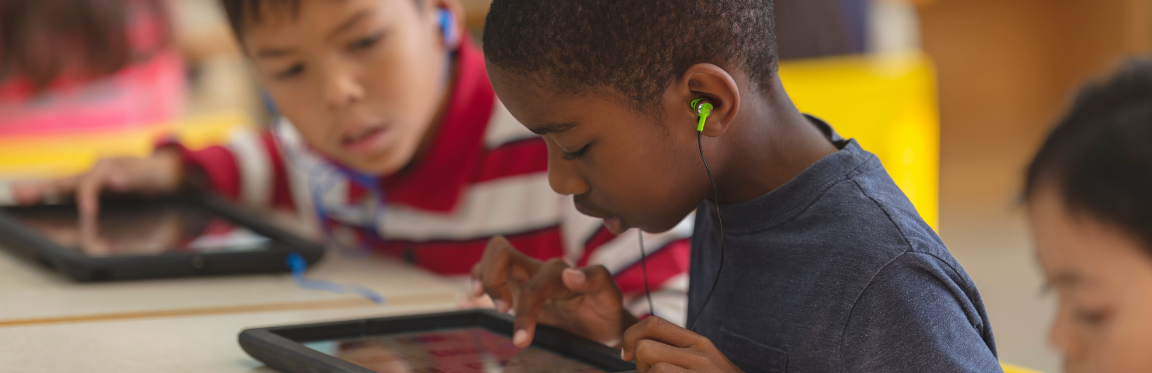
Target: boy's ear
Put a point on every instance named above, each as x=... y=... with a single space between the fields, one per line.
x=711 y=82
x=432 y=12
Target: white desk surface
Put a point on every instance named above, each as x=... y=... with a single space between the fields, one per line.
x=176 y=344
x=50 y=324
x=30 y=295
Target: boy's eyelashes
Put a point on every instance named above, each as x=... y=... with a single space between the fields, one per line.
x=357 y=45
x=572 y=156
x=1091 y=317
x=366 y=42
x=291 y=71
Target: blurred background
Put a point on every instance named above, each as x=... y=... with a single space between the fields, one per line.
x=954 y=95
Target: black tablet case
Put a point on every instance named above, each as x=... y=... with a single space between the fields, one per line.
x=26 y=241
x=281 y=348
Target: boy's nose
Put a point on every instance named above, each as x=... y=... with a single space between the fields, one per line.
x=563 y=177
x=342 y=90
x=1060 y=334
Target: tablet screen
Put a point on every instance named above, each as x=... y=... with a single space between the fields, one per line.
x=466 y=350
x=140 y=228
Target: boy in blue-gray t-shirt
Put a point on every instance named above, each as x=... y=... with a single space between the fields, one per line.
x=806 y=256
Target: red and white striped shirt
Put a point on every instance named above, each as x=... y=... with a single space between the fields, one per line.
x=484 y=175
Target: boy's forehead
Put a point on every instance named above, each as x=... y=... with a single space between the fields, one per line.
x=548 y=109
x=529 y=100
x=263 y=14
x=282 y=21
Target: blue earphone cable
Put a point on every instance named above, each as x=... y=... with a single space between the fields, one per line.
x=298 y=266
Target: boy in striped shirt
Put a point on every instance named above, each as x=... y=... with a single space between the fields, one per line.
x=391 y=138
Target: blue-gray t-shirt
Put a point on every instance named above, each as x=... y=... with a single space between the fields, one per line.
x=836 y=272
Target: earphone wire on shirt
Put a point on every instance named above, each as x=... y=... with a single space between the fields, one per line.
x=716 y=201
x=643 y=256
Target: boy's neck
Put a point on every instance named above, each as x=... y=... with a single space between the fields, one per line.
x=768 y=144
x=437 y=120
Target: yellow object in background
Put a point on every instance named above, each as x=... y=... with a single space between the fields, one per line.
x=64 y=155
x=1009 y=368
x=888 y=104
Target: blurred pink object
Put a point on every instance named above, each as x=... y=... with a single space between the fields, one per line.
x=149 y=90
x=141 y=94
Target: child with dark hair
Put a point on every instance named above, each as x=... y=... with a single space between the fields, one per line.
x=390 y=139
x=1089 y=196
x=806 y=256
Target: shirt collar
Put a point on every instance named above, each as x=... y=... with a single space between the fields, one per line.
x=437 y=181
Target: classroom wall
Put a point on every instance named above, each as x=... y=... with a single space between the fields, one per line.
x=1006 y=68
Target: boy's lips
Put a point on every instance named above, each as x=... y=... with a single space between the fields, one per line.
x=367 y=141
x=614 y=224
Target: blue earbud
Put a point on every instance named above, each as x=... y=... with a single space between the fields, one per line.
x=448 y=27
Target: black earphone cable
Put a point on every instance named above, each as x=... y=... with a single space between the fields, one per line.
x=644 y=269
x=716 y=280
x=716 y=197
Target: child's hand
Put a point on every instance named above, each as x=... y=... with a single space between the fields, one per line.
x=584 y=301
x=162 y=173
x=660 y=346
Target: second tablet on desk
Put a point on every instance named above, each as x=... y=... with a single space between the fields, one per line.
x=146 y=238
x=453 y=342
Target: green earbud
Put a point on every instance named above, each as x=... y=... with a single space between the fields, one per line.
x=702 y=108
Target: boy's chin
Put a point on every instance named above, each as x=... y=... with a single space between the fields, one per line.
x=650 y=227
x=380 y=166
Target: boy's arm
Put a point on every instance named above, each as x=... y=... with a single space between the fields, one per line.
x=915 y=317
x=248 y=169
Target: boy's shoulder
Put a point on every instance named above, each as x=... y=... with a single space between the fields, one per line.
x=855 y=203
x=884 y=209
x=841 y=259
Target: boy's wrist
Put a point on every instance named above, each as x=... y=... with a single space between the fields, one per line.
x=627 y=320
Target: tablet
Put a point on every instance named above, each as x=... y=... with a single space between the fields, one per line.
x=473 y=341
x=184 y=235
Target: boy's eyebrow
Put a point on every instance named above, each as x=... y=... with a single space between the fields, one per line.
x=549 y=128
x=1065 y=279
x=348 y=23
x=344 y=26
x=273 y=52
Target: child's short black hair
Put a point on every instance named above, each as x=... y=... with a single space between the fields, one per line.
x=637 y=47
x=1100 y=156
x=239 y=10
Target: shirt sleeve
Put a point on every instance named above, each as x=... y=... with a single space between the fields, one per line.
x=916 y=317
x=248 y=169
x=667 y=254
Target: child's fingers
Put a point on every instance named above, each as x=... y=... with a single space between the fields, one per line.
x=28 y=193
x=532 y=298
x=44 y=191
x=90 y=238
x=493 y=271
x=466 y=301
x=666 y=368
x=659 y=330
x=588 y=280
x=88 y=189
x=650 y=354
